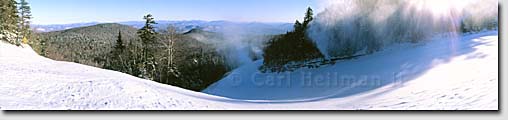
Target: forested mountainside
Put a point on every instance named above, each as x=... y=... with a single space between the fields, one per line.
x=178 y=59
x=87 y=45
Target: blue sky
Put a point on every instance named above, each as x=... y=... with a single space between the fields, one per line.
x=75 y=11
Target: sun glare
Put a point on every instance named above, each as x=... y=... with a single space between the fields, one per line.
x=444 y=7
x=441 y=8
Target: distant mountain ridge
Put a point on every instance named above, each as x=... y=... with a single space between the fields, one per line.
x=58 y=27
x=185 y=26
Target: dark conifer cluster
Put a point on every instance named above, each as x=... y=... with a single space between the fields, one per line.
x=294 y=46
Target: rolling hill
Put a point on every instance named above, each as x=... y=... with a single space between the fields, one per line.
x=86 y=45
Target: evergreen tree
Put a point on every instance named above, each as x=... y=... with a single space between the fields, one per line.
x=115 y=60
x=9 y=21
x=25 y=15
x=148 y=35
x=308 y=17
x=42 y=46
x=298 y=26
x=119 y=42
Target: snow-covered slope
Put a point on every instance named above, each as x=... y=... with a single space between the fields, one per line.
x=29 y=81
x=442 y=74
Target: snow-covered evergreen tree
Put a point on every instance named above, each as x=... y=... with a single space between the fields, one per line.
x=9 y=22
x=25 y=15
x=147 y=35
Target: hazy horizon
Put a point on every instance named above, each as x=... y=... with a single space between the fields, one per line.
x=119 y=22
x=48 y=12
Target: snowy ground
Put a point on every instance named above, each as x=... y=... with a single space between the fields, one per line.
x=442 y=74
x=436 y=75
